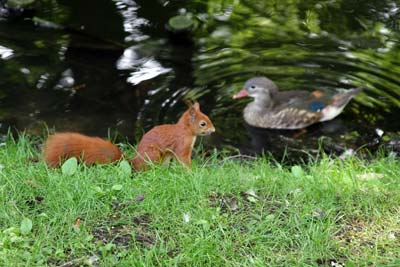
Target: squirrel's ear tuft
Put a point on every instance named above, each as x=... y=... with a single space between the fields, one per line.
x=192 y=114
x=188 y=102
x=196 y=106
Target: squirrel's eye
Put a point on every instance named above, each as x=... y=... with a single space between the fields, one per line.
x=253 y=87
x=202 y=123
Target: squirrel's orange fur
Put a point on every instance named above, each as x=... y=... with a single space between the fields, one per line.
x=90 y=150
x=157 y=145
x=173 y=140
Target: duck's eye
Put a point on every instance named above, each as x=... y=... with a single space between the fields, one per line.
x=202 y=123
x=253 y=87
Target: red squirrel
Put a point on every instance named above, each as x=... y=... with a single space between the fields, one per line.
x=61 y=146
x=157 y=145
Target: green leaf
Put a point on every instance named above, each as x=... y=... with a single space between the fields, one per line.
x=180 y=22
x=26 y=226
x=252 y=199
x=297 y=171
x=116 y=187
x=98 y=190
x=70 y=166
x=125 y=168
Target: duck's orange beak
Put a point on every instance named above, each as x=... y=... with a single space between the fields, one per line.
x=241 y=94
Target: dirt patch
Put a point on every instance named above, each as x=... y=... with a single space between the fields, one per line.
x=363 y=236
x=37 y=200
x=122 y=233
x=118 y=230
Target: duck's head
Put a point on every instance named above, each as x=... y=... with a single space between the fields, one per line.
x=259 y=88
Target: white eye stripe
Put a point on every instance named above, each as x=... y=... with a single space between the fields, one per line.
x=202 y=123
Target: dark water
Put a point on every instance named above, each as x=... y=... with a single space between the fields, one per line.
x=114 y=69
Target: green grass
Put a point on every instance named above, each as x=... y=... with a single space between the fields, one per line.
x=297 y=216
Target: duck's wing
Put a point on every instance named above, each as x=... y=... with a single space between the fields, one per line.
x=302 y=100
x=282 y=97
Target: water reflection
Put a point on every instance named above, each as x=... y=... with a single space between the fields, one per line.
x=145 y=68
x=303 y=45
x=132 y=22
x=6 y=53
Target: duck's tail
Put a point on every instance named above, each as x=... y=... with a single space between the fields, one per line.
x=342 y=99
x=339 y=102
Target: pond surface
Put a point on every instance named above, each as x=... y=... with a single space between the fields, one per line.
x=111 y=68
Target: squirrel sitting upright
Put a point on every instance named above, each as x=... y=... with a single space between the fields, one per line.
x=159 y=144
x=173 y=140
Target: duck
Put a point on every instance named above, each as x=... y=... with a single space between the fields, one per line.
x=289 y=110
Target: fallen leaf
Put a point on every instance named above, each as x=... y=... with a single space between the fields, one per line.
x=70 y=166
x=26 y=226
x=116 y=187
x=251 y=193
x=77 y=223
x=125 y=168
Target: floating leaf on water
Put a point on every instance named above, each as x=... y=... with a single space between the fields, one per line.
x=26 y=226
x=40 y=44
x=180 y=23
x=70 y=166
